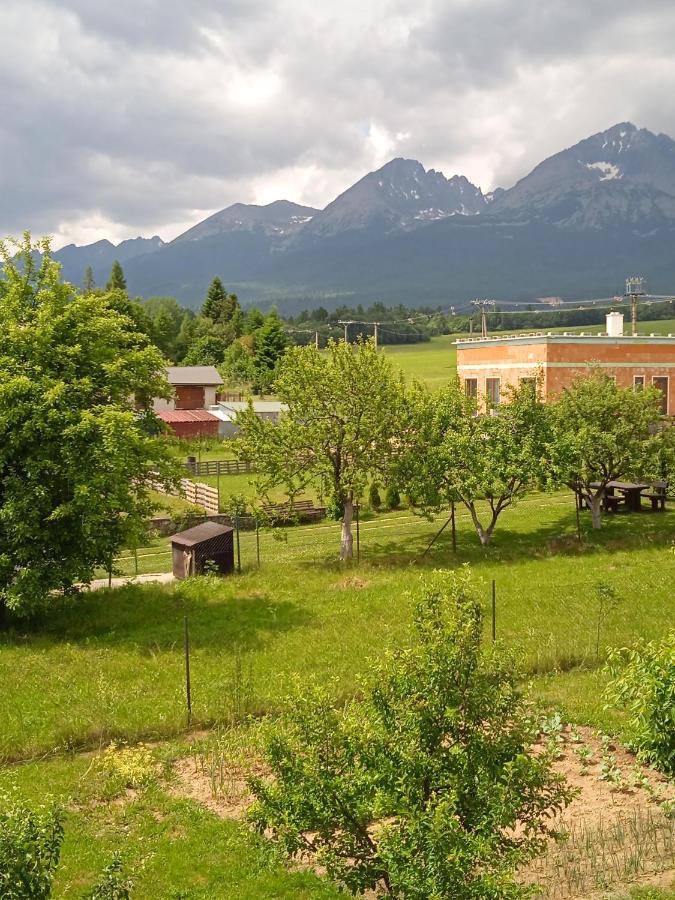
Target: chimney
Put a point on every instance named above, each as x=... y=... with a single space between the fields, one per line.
x=615 y=324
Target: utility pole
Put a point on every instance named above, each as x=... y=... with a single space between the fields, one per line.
x=635 y=288
x=346 y=325
x=483 y=305
x=375 y=326
x=316 y=340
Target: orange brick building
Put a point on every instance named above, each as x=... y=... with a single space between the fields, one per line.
x=487 y=367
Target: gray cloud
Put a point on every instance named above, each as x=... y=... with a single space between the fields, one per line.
x=144 y=116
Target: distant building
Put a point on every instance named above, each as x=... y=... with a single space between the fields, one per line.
x=194 y=387
x=226 y=412
x=189 y=423
x=488 y=367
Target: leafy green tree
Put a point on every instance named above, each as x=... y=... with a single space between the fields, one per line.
x=185 y=337
x=30 y=848
x=459 y=456
x=427 y=785
x=220 y=306
x=253 y=321
x=603 y=433
x=392 y=498
x=77 y=464
x=205 y=351
x=270 y=344
x=88 y=284
x=238 y=364
x=117 y=281
x=346 y=413
x=374 y=496
x=643 y=683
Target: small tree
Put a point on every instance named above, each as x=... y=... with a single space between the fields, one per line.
x=392 y=498
x=117 y=281
x=602 y=433
x=205 y=351
x=374 y=496
x=88 y=284
x=346 y=415
x=216 y=299
x=460 y=456
x=425 y=787
x=643 y=683
x=270 y=343
x=30 y=848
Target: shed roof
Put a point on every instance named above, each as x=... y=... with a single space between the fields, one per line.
x=195 y=375
x=173 y=416
x=204 y=532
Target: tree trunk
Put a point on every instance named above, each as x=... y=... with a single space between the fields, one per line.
x=347 y=540
x=484 y=534
x=595 y=502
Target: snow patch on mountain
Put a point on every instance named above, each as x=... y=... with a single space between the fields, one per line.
x=608 y=171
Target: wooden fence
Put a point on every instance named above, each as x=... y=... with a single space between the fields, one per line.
x=194 y=492
x=219 y=467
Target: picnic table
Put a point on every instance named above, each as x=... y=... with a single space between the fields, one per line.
x=632 y=493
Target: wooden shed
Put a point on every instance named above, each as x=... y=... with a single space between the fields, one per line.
x=205 y=543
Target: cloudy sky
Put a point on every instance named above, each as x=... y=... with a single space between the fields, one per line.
x=143 y=116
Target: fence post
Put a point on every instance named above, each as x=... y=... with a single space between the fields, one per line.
x=257 y=540
x=236 y=529
x=188 y=693
x=494 y=610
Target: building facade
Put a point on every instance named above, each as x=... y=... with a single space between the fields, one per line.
x=194 y=387
x=489 y=367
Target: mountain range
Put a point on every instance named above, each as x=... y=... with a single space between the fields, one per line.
x=575 y=226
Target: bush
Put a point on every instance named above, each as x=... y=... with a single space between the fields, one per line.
x=113 y=884
x=643 y=682
x=30 y=846
x=392 y=498
x=424 y=787
x=374 y=496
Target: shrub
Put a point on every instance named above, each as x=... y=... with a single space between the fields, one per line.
x=643 y=682
x=426 y=785
x=126 y=767
x=374 y=496
x=113 y=883
x=392 y=498
x=30 y=846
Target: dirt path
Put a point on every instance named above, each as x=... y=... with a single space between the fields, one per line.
x=100 y=583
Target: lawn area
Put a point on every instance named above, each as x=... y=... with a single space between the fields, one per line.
x=110 y=665
x=113 y=662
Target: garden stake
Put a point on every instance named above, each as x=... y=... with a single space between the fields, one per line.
x=454 y=530
x=236 y=528
x=257 y=540
x=188 y=693
x=358 y=536
x=494 y=610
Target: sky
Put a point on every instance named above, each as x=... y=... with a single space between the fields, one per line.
x=142 y=117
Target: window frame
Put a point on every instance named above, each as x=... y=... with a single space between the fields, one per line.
x=490 y=401
x=473 y=395
x=639 y=382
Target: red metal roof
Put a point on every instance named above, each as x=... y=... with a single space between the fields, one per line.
x=186 y=415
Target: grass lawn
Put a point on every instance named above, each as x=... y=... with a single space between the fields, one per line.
x=111 y=664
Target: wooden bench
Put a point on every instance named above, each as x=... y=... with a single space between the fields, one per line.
x=303 y=510
x=610 y=503
x=657 y=495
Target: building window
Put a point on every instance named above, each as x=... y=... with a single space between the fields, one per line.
x=660 y=382
x=471 y=387
x=492 y=391
x=638 y=382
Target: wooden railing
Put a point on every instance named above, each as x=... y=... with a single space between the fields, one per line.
x=219 y=467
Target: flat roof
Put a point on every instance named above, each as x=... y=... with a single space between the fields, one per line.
x=584 y=337
x=195 y=375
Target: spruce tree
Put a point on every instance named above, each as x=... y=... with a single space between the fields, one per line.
x=216 y=299
x=270 y=344
x=88 y=285
x=117 y=281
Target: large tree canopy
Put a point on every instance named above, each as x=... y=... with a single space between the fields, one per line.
x=345 y=419
x=77 y=461
x=604 y=433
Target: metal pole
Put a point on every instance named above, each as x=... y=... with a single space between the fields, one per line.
x=257 y=540
x=454 y=530
x=346 y=327
x=188 y=692
x=136 y=560
x=218 y=481
x=494 y=610
x=358 y=536
x=376 y=324
x=577 y=506
x=236 y=528
x=316 y=339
